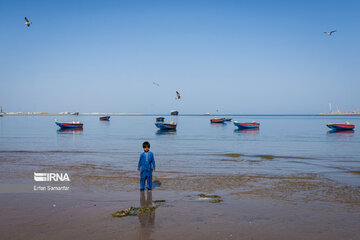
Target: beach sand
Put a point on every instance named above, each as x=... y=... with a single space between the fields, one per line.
x=254 y=206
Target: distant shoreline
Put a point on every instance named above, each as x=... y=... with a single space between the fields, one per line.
x=167 y=114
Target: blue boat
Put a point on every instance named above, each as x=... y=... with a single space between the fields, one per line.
x=217 y=120
x=341 y=127
x=246 y=125
x=69 y=124
x=227 y=119
x=165 y=126
x=105 y=118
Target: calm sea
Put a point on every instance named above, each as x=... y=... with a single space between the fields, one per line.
x=282 y=145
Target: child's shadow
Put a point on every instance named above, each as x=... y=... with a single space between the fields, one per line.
x=156 y=184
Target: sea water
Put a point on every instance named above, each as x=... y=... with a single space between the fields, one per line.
x=282 y=145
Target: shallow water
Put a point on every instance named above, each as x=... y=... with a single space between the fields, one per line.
x=291 y=179
x=283 y=145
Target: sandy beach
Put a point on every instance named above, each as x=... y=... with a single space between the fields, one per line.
x=254 y=206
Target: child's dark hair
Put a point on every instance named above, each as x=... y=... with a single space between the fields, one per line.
x=146 y=144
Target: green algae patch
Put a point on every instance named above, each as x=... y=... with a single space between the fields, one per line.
x=229 y=160
x=202 y=195
x=146 y=209
x=216 y=200
x=268 y=157
x=131 y=211
x=134 y=211
x=271 y=157
x=234 y=155
x=262 y=156
x=159 y=201
x=210 y=198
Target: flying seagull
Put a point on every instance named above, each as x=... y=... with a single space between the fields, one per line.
x=329 y=33
x=27 y=22
x=156 y=84
x=178 y=95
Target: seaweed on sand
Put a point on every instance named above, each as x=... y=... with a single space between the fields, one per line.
x=213 y=198
x=202 y=195
x=133 y=211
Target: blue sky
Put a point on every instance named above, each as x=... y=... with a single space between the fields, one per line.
x=235 y=56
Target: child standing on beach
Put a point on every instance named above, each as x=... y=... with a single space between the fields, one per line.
x=146 y=166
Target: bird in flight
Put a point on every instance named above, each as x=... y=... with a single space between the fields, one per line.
x=178 y=95
x=329 y=33
x=27 y=22
x=156 y=84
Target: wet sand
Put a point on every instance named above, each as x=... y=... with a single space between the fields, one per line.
x=254 y=206
x=31 y=216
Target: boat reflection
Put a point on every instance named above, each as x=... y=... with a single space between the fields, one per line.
x=250 y=131
x=76 y=131
x=341 y=133
x=218 y=124
x=105 y=122
x=147 y=219
x=166 y=132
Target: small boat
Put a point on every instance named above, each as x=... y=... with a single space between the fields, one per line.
x=174 y=113
x=341 y=127
x=253 y=124
x=69 y=124
x=75 y=113
x=217 y=120
x=228 y=119
x=160 y=119
x=105 y=118
x=166 y=126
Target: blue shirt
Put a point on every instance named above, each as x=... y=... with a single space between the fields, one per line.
x=146 y=162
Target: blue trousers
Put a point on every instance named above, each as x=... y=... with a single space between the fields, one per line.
x=148 y=178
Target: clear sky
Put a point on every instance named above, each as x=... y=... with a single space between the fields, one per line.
x=236 y=56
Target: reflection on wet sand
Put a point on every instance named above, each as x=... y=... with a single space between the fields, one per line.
x=147 y=219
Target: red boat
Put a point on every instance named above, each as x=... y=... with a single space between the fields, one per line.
x=166 y=126
x=105 y=118
x=70 y=124
x=341 y=127
x=246 y=125
x=217 y=120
